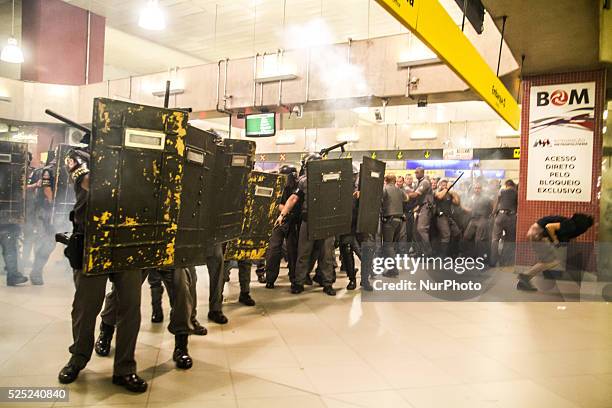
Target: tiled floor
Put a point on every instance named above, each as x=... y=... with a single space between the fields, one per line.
x=316 y=351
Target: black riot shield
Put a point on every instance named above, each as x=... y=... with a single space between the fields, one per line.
x=197 y=192
x=371 y=182
x=235 y=159
x=13 y=170
x=329 y=197
x=135 y=186
x=260 y=212
x=63 y=193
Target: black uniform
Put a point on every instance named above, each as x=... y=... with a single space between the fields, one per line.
x=504 y=226
x=349 y=244
x=393 y=223
x=324 y=248
x=423 y=214
x=446 y=225
x=477 y=230
x=88 y=299
x=45 y=240
x=29 y=228
x=287 y=232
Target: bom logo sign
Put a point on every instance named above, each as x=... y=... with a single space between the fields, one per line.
x=561 y=97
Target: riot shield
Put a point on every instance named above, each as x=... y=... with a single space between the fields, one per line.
x=329 y=197
x=371 y=181
x=63 y=193
x=197 y=192
x=233 y=165
x=135 y=186
x=13 y=170
x=260 y=212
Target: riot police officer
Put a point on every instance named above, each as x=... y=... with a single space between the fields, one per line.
x=476 y=232
x=393 y=226
x=29 y=228
x=504 y=225
x=446 y=225
x=423 y=194
x=45 y=242
x=306 y=247
x=89 y=295
x=348 y=242
x=285 y=232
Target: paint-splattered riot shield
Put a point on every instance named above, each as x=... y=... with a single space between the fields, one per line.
x=63 y=192
x=13 y=170
x=135 y=186
x=371 y=182
x=194 y=227
x=235 y=160
x=329 y=197
x=260 y=212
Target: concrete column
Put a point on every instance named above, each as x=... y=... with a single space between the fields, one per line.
x=55 y=42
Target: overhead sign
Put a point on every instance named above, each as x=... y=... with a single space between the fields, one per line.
x=261 y=125
x=458 y=154
x=560 y=151
x=430 y=22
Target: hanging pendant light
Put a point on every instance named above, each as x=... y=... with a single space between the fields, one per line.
x=11 y=51
x=152 y=17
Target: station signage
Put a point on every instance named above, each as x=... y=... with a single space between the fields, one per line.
x=430 y=22
x=560 y=150
x=458 y=154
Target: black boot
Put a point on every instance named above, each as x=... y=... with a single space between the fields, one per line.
x=131 y=382
x=36 y=278
x=157 y=313
x=261 y=275
x=15 y=280
x=217 y=316
x=103 y=344
x=328 y=290
x=366 y=285
x=198 y=329
x=246 y=299
x=181 y=355
x=351 y=285
x=69 y=373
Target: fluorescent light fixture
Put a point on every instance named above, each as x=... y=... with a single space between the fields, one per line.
x=418 y=63
x=423 y=134
x=507 y=132
x=605 y=130
x=347 y=137
x=605 y=115
x=285 y=139
x=173 y=91
x=152 y=17
x=5 y=98
x=275 y=78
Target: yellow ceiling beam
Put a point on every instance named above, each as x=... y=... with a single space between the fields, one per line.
x=430 y=22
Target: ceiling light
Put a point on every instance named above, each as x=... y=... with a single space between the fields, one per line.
x=275 y=78
x=152 y=17
x=173 y=91
x=5 y=98
x=11 y=51
x=418 y=63
x=605 y=115
x=423 y=134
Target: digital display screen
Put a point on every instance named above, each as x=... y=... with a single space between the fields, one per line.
x=260 y=125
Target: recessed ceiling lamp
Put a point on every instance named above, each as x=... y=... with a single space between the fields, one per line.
x=152 y=17
x=11 y=51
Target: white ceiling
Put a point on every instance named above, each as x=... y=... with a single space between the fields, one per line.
x=200 y=31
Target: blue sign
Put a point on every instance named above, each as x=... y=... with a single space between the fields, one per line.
x=442 y=164
x=490 y=174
